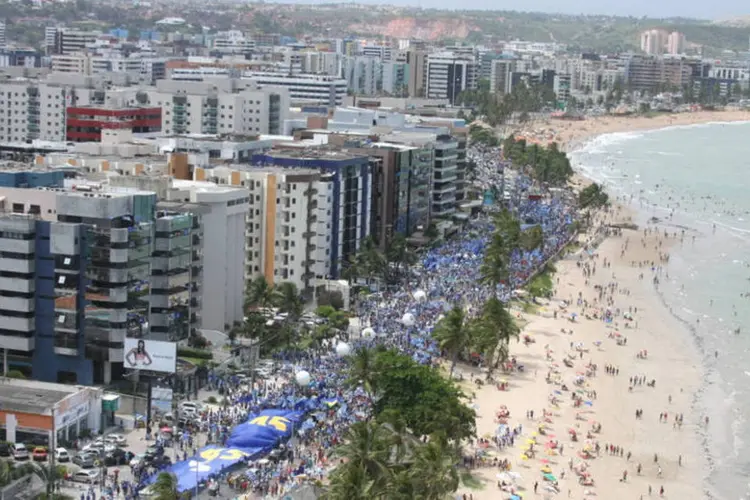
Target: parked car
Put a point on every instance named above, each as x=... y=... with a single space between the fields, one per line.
x=86 y=459
x=154 y=451
x=118 y=456
x=62 y=455
x=5 y=450
x=20 y=452
x=159 y=461
x=117 y=440
x=86 y=476
x=137 y=460
x=39 y=454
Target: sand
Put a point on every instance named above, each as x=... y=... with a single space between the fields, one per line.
x=672 y=362
x=572 y=133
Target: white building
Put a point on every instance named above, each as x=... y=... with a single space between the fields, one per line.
x=449 y=74
x=220 y=107
x=676 y=43
x=224 y=262
x=303 y=88
x=233 y=42
x=653 y=41
x=363 y=75
x=501 y=71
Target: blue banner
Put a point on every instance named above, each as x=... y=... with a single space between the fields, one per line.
x=264 y=429
x=250 y=440
x=210 y=460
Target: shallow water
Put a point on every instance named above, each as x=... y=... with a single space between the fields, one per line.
x=698 y=178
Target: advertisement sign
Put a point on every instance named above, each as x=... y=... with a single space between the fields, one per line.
x=150 y=355
x=161 y=399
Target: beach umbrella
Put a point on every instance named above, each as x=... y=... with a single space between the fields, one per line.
x=524 y=457
x=420 y=296
x=343 y=349
x=302 y=378
x=368 y=333
x=550 y=477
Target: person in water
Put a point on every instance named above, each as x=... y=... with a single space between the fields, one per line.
x=138 y=357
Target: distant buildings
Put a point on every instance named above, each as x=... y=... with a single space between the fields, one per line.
x=660 y=41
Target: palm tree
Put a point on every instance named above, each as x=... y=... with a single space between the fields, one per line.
x=287 y=298
x=165 y=487
x=532 y=238
x=496 y=327
x=48 y=475
x=366 y=446
x=453 y=334
x=363 y=370
x=350 y=483
x=435 y=471
x=400 y=253
x=259 y=293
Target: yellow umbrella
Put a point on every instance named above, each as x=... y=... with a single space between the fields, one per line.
x=546 y=470
x=534 y=434
x=530 y=441
x=524 y=457
x=526 y=448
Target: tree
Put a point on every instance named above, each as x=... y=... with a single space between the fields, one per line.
x=363 y=370
x=165 y=487
x=593 y=196
x=287 y=298
x=259 y=294
x=495 y=327
x=453 y=334
x=426 y=400
x=400 y=253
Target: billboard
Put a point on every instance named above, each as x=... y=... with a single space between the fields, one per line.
x=150 y=355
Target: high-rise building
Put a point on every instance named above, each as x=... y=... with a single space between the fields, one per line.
x=676 y=43
x=303 y=88
x=501 y=71
x=449 y=74
x=653 y=42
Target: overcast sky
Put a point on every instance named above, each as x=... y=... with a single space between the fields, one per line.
x=717 y=9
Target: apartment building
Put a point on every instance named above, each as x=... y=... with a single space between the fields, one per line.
x=363 y=75
x=649 y=72
x=288 y=223
x=303 y=88
x=68 y=41
x=449 y=74
x=87 y=268
x=501 y=71
x=86 y=123
x=232 y=42
x=396 y=78
x=348 y=193
x=222 y=220
x=220 y=107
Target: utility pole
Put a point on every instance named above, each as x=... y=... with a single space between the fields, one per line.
x=51 y=456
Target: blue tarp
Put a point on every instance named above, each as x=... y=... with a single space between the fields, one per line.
x=264 y=429
x=210 y=460
x=255 y=437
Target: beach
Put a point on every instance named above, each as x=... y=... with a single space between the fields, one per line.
x=571 y=133
x=657 y=431
x=671 y=362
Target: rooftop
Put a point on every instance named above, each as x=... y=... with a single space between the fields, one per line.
x=30 y=396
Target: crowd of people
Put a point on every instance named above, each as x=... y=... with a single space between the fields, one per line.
x=400 y=318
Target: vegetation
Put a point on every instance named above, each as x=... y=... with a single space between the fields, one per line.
x=547 y=165
x=541 y=285
x=453 y=334
x=371 y=263
x=189 y=352
x=593 y=196
x=496 y=108
x=165 y=487
x=483 y=135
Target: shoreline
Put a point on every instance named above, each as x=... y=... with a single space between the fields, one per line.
x=572 y=135
x=684 y=459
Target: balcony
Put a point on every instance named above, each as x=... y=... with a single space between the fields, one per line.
x=17 y=324
x=197 y=239
x=16 y=246
x=170 y=282
x=169 y=244
x=17 y=304
x=17 y=342
x=20 y=285
x=17 y=265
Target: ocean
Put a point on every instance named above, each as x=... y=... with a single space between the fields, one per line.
x=697 y=178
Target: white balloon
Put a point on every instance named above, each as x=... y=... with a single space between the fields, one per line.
x=420 y=296
x=408 y=319
x=368 y=333
x=302 y=377
x=343 y=349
